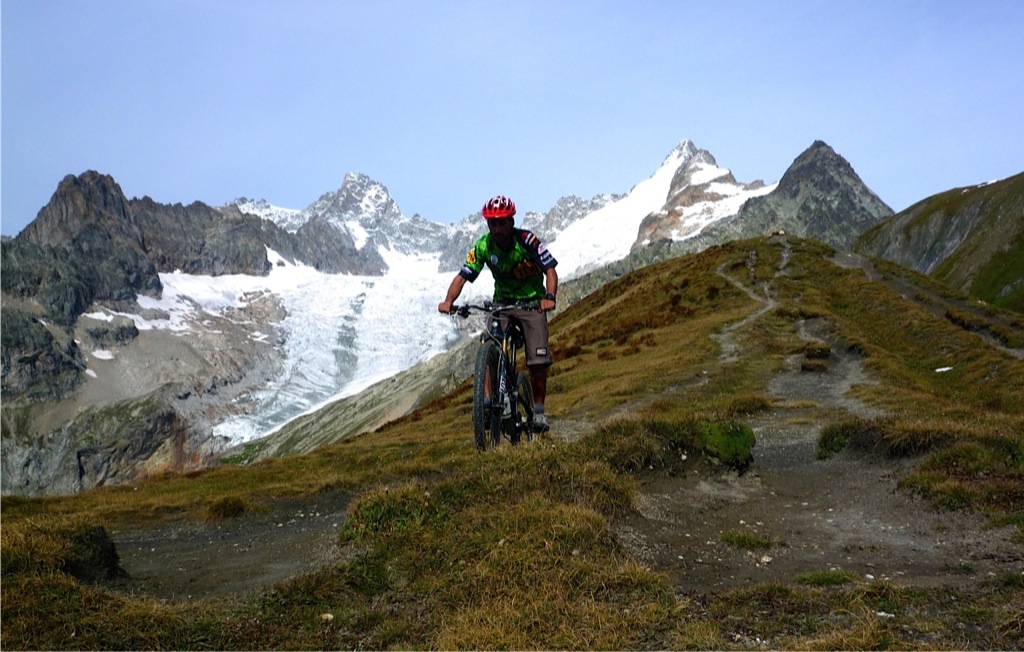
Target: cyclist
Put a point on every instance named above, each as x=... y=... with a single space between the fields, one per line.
x=524 y=272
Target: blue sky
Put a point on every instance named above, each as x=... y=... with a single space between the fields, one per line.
x=448 y=103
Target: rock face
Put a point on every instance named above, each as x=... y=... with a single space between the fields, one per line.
x=700 y=192
x=90 y=246
x=84 y=246
x=964 y=237
x=39 y=363
x=820 y=197
x=113 y=444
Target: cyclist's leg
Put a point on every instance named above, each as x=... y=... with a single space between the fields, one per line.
x=538 y=359
x=539 y=383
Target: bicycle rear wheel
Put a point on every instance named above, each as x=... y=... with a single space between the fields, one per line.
x=524 y=406
x=486 y=419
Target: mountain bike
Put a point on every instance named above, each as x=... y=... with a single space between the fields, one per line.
x=502 y=395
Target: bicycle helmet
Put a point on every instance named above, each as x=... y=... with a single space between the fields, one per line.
x=499 y=207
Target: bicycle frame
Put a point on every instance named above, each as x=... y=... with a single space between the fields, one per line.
x=506 y=334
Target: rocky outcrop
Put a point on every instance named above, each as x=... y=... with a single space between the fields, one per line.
x=566 y=211
x=700 y=192
x=84 y=246
x=112 y=444
x=331 y=249
x=39 y=362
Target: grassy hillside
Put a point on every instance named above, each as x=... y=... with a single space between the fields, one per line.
x=968 y=238
x=657 y=378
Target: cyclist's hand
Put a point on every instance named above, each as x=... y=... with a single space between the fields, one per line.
x=445 y=307
x=546 y=305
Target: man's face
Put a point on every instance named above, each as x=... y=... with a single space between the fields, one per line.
x=501 y=230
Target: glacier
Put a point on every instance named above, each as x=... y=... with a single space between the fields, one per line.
x=343 y=333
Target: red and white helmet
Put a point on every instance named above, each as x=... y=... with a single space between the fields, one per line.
x=499 y=207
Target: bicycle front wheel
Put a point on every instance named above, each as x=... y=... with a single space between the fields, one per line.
x=486 y=418
x=523 y=419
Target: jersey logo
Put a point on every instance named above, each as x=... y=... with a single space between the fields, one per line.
x=471 y=257
x=525 y=269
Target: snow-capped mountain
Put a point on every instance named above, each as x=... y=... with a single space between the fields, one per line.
x=611 y=232
x=700 y=194
x=344 y=332
x=260 y=350
x=364 y=213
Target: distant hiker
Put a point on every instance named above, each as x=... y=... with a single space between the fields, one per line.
x=524 y=272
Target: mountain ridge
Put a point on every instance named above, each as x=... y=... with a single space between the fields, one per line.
x=357 y=224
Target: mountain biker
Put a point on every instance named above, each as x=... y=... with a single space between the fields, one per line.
x=524 y=272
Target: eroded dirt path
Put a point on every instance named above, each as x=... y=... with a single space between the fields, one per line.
x=190 y=560
x=844 y=513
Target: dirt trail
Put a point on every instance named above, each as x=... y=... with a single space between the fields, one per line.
x=842 y=513
x=191 y=560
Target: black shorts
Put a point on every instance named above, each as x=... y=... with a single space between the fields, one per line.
x=535 y=331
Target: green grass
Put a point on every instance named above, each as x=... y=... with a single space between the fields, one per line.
x=446 y=548
x=747 y=540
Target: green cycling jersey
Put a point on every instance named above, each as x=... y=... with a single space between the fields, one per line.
x=518 y=273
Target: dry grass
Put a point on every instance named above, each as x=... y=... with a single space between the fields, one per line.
x=447 y=548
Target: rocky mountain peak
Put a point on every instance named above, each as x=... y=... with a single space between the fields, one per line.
x=818 y=164
x=359 y=199
x=79 y=206
x=566 y=210
x=683 y=151
x=820 y=196
x=289 y=219
x=699 y=169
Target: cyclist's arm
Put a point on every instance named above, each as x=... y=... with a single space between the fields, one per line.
x=551 y=287
x=454 y=290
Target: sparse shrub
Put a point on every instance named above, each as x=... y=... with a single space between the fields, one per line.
x=826 y=578
x=746 y=404
x=747 y=540
x=890 y=436
x=224 y=509
x=836 y=436
x=817 y=350
x=941 y=490
x=813 y=366
x=959 y=569
x=902 y=438
x=727 y=440
x=857 y=348
x=385 y=511
x=626 y=446
x=1010 y=581
x=796 y=312
x=568 y=352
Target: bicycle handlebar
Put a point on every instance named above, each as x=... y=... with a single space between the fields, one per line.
x=491 y=308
